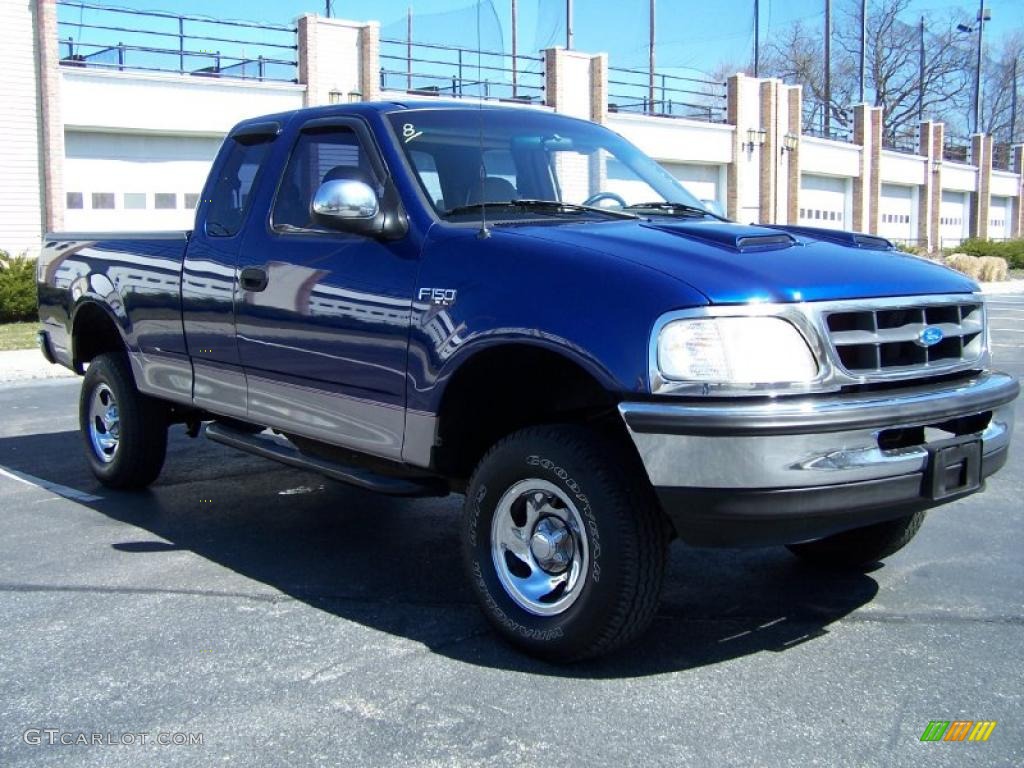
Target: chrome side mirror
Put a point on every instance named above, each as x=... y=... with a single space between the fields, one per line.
x=345 y=200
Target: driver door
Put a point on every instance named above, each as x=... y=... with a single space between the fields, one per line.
x=323 y=315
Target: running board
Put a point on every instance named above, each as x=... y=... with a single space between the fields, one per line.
x=269 y=448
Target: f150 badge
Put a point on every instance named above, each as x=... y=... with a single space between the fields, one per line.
x=441 y=297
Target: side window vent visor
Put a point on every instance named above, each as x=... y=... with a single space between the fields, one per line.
x=250 y=132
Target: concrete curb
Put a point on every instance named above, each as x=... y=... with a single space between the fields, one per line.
x=28 y=364
x=1005 y=287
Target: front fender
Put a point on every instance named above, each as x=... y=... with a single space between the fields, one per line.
x=593 y=309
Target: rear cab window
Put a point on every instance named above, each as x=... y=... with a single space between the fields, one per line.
x=231 y=192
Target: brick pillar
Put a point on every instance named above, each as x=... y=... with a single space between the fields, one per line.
x=875 y=194
x=568 y=85
x=861 y=136
x=929 y=199
x=769 y=152
x=743 y=177
x=307 y=41
x=599 y=88
x=51 y=123
x=867 y=186
x=795 y=128
x=339 y=60
x=1018 y=204
x=981 y=157
x=369 y=61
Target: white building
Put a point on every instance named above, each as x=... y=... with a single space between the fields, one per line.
x=110 y=137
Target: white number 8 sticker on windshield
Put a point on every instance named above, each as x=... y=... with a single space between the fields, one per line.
x=409 y=132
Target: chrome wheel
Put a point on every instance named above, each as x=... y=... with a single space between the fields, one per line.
x=104 y=423
x=539 y=547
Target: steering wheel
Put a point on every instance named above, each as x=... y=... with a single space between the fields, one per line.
x=599 y=196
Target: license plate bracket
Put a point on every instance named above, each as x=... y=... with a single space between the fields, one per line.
x=954 y=468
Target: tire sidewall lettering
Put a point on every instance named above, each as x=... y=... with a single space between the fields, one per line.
x=585 y=508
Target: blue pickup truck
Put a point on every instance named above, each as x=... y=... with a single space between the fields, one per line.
x=523 y=308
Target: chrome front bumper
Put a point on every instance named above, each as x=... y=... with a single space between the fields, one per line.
x=809 y=457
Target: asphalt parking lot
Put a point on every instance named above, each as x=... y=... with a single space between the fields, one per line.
x=283 y=619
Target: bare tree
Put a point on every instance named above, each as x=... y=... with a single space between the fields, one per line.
x=893 y=66
x=1002 y=74
x=797 y=55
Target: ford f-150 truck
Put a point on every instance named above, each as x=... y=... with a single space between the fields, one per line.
x=525 y=309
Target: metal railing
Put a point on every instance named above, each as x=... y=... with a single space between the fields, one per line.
x=907 y=144
x=957 y=151
x=630 y=91
x=431 y=69
x=1002 y=157
x=107 y=37
x=835 y=133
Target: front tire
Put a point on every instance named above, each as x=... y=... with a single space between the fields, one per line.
x=564 y=543
x=125 y=432
x=861 y=547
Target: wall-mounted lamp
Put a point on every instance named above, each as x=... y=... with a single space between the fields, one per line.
x=755 y=137
x=790 y=142
x=338 y=97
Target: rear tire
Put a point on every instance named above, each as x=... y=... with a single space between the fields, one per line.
x=124 y=431
x=564 y=543
x=861 y=547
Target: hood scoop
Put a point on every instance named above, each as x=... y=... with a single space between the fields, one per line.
x=838 y=236
x=735 y=237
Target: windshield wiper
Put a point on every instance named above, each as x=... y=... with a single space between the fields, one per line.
x=539 y=206
x=673 y=208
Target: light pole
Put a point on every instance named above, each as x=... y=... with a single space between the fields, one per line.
x=863 y=47
x=827 y=116
x=984 y=14
x=568 y=25
x=650 y=64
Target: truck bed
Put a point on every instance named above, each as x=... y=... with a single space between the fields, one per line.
x=134 y=277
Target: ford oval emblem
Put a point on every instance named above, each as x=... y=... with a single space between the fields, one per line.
x=930 y=336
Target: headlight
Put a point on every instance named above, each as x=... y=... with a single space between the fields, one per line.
x=735 y=350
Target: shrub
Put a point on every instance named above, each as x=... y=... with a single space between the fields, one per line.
x=993 y=268
x=915 y=250
x=1012 y=251
x=964 y=262
x=17 y=288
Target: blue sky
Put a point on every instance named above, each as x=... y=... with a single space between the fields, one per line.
x=692 y=37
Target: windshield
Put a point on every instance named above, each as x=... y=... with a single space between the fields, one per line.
x=465 y=157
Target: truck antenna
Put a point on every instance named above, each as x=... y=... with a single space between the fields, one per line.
x=484 y=232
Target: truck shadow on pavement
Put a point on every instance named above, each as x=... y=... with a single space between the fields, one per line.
x=394 y=564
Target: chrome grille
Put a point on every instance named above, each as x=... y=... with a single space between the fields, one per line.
x=888 y=339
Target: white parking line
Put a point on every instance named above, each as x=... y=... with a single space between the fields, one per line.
x=46 y=485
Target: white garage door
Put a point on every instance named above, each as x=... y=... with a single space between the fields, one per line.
x=897 y=219
x=702 y=181
x=1000 y=217
x=823 y=201
x=119 y=182
x=954 y=218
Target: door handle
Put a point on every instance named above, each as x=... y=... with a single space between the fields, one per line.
x=253 y=279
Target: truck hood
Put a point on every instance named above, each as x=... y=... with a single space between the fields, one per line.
x=736 y=264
